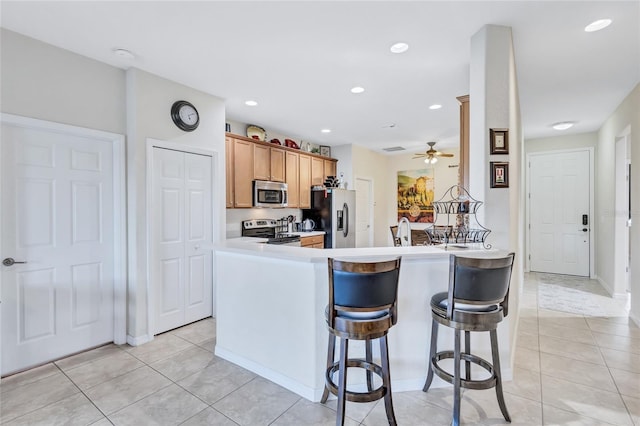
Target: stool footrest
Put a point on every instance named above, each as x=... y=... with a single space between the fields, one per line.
x=352 y=396
x=469 y=384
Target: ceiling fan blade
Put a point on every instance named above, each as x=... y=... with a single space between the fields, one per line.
x=419 y=156
x=442 y=154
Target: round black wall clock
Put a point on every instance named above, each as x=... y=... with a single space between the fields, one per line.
x=185 y=116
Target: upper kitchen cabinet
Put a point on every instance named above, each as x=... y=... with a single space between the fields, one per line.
x=317 y=171
x=305 y=181
x=268 y=163
x=292 y=163
x=329 y=168
x=228 y=154
x=243 y=173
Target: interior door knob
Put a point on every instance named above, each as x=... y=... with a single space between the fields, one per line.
x=584 y=229
x=10 y=261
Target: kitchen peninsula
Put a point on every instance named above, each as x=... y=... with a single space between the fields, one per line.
x=270 y=303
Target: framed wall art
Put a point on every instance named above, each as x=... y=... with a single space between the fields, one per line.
x=325 y=151
x=499 y=174
x=499 y=141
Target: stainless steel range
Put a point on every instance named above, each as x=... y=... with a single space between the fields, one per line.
x=268 y=228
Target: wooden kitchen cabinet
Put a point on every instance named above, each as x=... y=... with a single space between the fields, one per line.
x=278 y=170
x=243 y=173
x=317 y=241
x=329 y=168
x=292 y=178
x=304 y=166
x=268 y=163
x=317 y=171
x=247 y=160
x=229 y=171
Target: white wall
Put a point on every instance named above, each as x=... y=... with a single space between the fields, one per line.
x=149 y=100
x=560 y=142
x=45 y=82
x=626 y=115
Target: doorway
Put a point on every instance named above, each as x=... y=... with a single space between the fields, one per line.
x=622 y=249
x=180 y=216
x=560 y=208
x=364 y=212
x=63 y=276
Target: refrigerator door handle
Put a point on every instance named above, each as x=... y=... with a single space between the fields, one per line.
x=345 y=208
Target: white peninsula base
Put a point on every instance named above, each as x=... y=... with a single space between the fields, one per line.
x=270 y=303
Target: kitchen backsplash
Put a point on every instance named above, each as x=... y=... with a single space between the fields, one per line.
x=236 y=216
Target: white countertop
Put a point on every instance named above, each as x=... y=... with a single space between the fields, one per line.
x=256 y=247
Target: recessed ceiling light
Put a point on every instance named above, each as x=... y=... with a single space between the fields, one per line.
x=435 y=106
x=123 y=53
x=399 y=48
x=251 y=103
x=326 y=130
x=597 y=25
x=564 y=125
x=357 y=89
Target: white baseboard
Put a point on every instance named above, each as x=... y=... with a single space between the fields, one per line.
x=609 y=290
x=140 y=340
x=269 y=374
x=314 y=395
x=635 y=319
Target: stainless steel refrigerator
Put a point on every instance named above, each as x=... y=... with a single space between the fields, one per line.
x=334 y=211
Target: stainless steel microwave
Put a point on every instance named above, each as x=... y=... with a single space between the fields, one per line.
x=269 y=194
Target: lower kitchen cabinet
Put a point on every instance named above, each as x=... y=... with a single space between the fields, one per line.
x=317 y=241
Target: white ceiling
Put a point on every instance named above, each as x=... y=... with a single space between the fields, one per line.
x=299 y=59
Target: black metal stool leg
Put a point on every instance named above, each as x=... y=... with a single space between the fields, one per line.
x=496 y=371
x=386 y=381
x=467 y=350
x=331 y=350
x=342 y=383
x=432 y=353
x=456 y=380
x=369 y=358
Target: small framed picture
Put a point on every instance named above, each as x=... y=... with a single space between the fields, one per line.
x=325 y=151
x=499 y=141
x=499 y=174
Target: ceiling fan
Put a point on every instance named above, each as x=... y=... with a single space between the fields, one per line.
x=431 y=156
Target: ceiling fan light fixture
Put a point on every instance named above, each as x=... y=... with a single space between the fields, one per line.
x=432 y=160
x=598 y=25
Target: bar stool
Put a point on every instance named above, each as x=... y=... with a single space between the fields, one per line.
x=477 y=300
x=362 y=306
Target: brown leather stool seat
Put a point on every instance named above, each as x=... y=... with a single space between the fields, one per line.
x=362 y=306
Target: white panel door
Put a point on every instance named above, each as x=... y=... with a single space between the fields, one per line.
x=57 y=216
x=181 y=266
x=559 y=197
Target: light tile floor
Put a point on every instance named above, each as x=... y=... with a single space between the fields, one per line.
x=575 y=364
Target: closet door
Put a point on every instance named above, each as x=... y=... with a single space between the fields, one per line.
x=181 y=211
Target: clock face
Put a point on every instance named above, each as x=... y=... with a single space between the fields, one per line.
x=185 y=116
x=189 y=115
